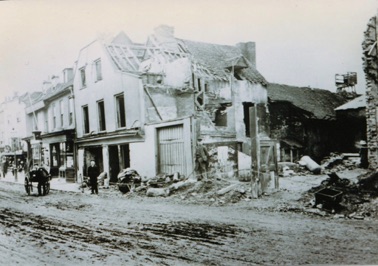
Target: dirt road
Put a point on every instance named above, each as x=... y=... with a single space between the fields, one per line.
x=67 y=228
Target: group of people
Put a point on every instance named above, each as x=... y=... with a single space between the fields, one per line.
x=7 y=164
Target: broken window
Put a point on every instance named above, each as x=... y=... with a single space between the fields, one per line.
x=83 y=80
x=101 y=115
x=85 y=119
x=221 y=117
x=121 y=113
x=246 y=106
x=237 y=76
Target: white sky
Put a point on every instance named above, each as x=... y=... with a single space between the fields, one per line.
x=299 y=42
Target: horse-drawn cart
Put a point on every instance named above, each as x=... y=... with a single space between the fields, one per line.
x=42 y=177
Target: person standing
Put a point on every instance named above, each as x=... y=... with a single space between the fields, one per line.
x=202 y=157
x=93 y=173
x=364 y=163
x=4 y=166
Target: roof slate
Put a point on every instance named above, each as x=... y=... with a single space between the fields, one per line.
x=217 y=57
x=320 y=103
x=208 y=59
x=356 y=103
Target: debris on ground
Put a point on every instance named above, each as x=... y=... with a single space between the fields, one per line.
x=310 y=164
x=358 y=199
x=337 y=162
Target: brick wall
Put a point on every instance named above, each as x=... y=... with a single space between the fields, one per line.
x=370 y=66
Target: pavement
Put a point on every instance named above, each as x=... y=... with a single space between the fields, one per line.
x=55 y=183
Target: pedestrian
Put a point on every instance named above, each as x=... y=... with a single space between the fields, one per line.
x=93 y=173
x=363 y=154
x=4 y=166
x=202 y=160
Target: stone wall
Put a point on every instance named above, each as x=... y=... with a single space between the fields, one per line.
x=370 y=66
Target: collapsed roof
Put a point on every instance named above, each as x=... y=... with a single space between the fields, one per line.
x=208 y=60
x=319 y=103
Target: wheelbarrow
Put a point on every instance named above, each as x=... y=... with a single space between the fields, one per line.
x=329 y=198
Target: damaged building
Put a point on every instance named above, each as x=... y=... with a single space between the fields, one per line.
x=145 y=105
x=370 y=66
x=304 y=121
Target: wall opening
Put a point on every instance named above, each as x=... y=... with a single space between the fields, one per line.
x=246 y=106
x=221 y=117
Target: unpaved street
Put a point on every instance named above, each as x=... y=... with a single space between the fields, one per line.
x=68 y=228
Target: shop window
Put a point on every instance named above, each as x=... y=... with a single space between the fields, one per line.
x=54 y=155
x=121 y=113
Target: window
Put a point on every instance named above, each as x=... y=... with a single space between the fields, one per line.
x=101 y=115
x=221 y=117
x=121 y=115
x=85 y=119
x=61 y=111
x=71 y=109
x=53 y=115
x=246 y=106
x=98 y=70
x=82 y=75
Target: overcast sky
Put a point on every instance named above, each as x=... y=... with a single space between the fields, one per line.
x=302 y=43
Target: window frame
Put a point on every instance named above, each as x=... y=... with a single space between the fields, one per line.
x=85 y=114
x=61 y=110
x=101 y=115
x=70 y=110
x=83 y=77
x=118 y=109
x=98 y=70
x=53 y=115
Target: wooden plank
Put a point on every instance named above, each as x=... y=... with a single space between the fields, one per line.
x=255 y=151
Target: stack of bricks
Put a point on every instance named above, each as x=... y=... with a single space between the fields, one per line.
x=370 y=66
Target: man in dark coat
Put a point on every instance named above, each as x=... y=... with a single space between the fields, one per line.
x=201 y=160
x=93 y=173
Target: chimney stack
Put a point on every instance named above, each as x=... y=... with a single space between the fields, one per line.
x=248 y=50
x=166 y=36
x=54 y=80
x=46 y=85
x=67 y=74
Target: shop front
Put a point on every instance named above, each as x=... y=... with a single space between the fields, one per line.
x=58 y=154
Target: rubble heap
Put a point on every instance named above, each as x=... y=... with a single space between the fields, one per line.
x=358 y=200
x=337 y=162
x=214 y=191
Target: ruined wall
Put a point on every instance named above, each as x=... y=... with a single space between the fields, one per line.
x=245 y=92
x=223 y=161
x=370 y=65
x=164 y=104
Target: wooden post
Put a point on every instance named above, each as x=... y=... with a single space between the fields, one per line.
x=255 y=151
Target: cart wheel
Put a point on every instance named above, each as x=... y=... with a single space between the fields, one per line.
x=46 y=188
x=27 y=186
